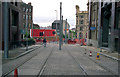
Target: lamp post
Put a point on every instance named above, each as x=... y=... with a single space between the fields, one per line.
x=26 y=31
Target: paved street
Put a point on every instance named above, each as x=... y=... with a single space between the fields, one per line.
x=71 y=60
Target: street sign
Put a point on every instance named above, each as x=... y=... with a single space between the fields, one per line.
x=23 y=31
x=92 y=28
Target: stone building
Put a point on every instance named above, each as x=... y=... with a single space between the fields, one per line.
x=81 y=23
x=93 y=9
x=14 y=23
x=106 y=33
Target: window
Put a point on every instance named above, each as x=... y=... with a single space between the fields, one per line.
x=82 y=16
x=24 y=17
x=119 y=21
x=27 y=17
x=30 y=26
x=24 y=9
x=30 y=17
x=81 y=22
x=41 y=33
x=16 y=4
x=11 y=2
x=30 y=10
x=15 y=18
x=24 y=25
x=81 y=28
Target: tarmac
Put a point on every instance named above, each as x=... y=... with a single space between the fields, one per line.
x=71 y=60
x=17 y=53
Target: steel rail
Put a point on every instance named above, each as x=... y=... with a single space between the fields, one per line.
x=44 y=65
x=80 y=66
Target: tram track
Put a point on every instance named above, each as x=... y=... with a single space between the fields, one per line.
x=76 y=60
x=107 y=69
x=44 y=65
x=35 y=54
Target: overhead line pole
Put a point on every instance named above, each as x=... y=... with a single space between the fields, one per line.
x=56 y=25
x=5 y=22
x=66 y=32
x=60 y=26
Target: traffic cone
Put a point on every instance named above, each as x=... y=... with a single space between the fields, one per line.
x=98 y=56
x=90 y=53
x=15 y=72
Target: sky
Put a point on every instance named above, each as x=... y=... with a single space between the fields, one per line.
x=44 y=10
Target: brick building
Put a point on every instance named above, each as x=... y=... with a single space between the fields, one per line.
x=27 y=18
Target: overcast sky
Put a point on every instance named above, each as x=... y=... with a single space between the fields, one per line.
x=44 y=10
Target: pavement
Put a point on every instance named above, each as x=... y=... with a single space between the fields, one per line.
x=113 y=55
x=0 y=62
x=18 y=52
x=16 y=56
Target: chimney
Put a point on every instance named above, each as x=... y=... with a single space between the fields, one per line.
x=29 y=3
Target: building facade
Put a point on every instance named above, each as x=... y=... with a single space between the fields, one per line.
x=36 y=26
x=57 y=23
x=27 y=18
x=81 y=23
x=106 y=31
x=93 y=9
x=40 y=34
x=48 y=27
x=14 y=23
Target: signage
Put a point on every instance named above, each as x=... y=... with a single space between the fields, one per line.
x=92 y=28
x=23 y=31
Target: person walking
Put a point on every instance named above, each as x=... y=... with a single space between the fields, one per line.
x=44 y=42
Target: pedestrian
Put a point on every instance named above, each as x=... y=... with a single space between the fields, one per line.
x=44 y=42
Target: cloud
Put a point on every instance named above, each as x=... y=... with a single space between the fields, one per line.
x=44 y=10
